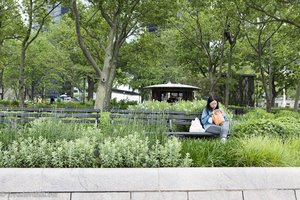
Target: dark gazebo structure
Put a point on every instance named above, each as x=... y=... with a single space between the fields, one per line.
x=171 y=92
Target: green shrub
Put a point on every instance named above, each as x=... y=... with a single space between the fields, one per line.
x=39 y=152
x=132 y=151
x=122 y=104
x=77 y=153
x=129 y=151
x=287 y=113
x=186 y=106
x=61 y=104
x=183 y=106
x=151 y=105
x=170 y=155
x=27 y=153
x=259 y=113
x=7 y=103
x=256 y=127
x=282 y=127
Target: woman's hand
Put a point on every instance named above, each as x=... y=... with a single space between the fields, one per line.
x=216 y=110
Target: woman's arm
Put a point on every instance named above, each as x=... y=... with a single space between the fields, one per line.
x=205 y=116
x=224 y=114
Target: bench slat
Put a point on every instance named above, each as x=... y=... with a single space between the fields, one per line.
x=190 y=134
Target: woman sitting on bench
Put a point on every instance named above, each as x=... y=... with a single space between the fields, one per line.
x=210 y=126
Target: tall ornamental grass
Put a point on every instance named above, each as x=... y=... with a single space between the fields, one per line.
x=258 y=151
x=264 y=152
x=210 y=152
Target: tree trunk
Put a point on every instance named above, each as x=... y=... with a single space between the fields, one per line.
x=103 y=94
x=107 y=74
x=296 y=105
x=2 y=85
x=270 y=73
x=72 y=90
x=22 y=77
x=263 y=79
x=91 y=85
x=274 y=93
x=228 y=77
x=32 y=91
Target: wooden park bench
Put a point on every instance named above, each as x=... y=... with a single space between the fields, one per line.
x=25 y=115
x=177 y=123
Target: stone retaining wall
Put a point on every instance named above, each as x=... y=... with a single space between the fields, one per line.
x=150 y=184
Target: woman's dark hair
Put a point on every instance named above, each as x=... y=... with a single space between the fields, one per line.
x=209 y=100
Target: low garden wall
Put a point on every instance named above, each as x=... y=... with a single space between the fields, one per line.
x=150 y=183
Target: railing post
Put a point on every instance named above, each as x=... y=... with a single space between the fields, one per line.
x=97 y=117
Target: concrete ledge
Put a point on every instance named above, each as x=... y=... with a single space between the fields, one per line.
x=154 y=183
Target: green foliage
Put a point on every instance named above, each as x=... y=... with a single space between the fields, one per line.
x=132 y=151
x=257 y=127
x=129 y=151
x=154 y=129
x=258 y=113
x=7 y=103
x=170 y=155
x=287 y=113
x=105 y=125
x=75 y=153
x=27 y=153
x=187 y=106
x=183 y=106
x=264 y=151
x=255 y=151
x=61 y=104
x=258 y=122
x=257 y=139
x=122 y=104
x=47 y=143
x=53 y=129
x=293 y=147
x=10 y=133
x=210 y=153
x=40 y=152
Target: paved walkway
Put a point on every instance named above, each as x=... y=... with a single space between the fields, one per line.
x=151 y=184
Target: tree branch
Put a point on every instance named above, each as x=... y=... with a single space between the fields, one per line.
x=105 y=15
x=80 y=40
x=95 y=37
x=271 y=35
x=41 y=26
x=258 y=8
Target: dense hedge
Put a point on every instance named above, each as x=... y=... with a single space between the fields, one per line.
x=258 y=122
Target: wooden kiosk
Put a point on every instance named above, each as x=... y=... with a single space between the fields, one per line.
x=171 y=92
